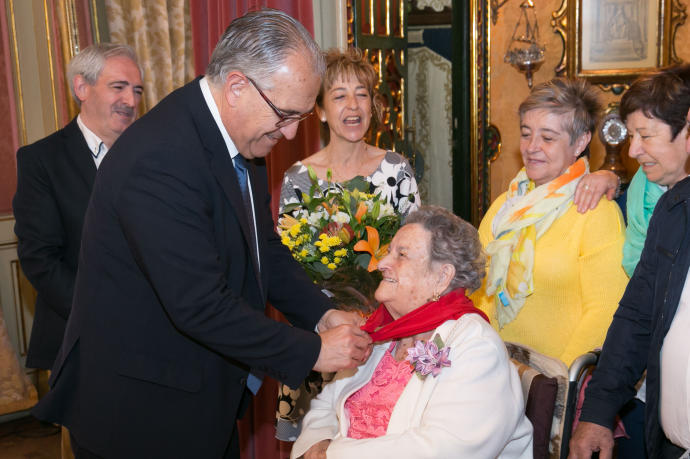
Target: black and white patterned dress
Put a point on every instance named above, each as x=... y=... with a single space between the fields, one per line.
x=393 y=179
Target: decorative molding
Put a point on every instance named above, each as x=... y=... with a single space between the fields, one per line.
x=17 y=73
x=51 y=64
x=482 y=135
x=678 y=16
x=559 y=23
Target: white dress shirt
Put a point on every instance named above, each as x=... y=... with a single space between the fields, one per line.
x=97 y=147
x=675 y=374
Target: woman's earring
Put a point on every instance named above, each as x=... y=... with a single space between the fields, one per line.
x=435 y=297
x=323 y=119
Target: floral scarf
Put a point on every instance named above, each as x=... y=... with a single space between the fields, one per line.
x=451 y=306
x=528 y=212
x=641 y=200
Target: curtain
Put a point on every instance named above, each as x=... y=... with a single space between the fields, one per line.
x=160 y=33
x=209 y=20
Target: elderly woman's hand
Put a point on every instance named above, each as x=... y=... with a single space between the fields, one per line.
x=592 y=187
x=318 y=450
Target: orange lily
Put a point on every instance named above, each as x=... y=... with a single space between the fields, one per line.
x=361 y=210
x=287 y=221
x=371 y=245
x=330 y=207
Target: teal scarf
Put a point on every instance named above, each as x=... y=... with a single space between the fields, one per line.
x=642 y=198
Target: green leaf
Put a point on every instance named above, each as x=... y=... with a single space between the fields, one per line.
x=357 y=183
x=329 y=175
x=306 y=198
x=362 y=260
x=438 y=342
x=322 y=270
x=290 y=207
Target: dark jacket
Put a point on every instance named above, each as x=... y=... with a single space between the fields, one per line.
x=55 y=176
x=643 y=318
x=168 y=311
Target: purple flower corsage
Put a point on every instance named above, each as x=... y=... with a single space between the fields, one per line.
x=428 y=357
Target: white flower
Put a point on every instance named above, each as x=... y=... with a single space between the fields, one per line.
x=315 y=217
x=340 y=217
x=387 y=210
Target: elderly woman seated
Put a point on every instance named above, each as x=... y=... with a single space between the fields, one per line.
x=555 y=275
x=439 y=383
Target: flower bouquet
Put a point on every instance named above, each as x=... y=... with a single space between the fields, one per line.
x=338 y=235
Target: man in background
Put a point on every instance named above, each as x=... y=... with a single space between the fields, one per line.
x=55 y=176
x=167 y=335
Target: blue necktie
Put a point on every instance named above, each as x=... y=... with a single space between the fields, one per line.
x=241 y=169
x=253 y=380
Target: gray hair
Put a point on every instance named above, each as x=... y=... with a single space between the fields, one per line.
x=576 y=98
x=258 y=43
x=453 y=241
x=90 y=62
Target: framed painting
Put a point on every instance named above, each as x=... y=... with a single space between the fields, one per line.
x=613 y=41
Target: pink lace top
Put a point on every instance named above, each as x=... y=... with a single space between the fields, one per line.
x=370 y=408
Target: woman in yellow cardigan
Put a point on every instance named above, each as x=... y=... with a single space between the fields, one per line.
x=554 y=277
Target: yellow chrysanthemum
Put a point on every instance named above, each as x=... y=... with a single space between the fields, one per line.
x=325 y=260
x=337 y=260
x=331 y=266
x=295 y=229
x=303 y=253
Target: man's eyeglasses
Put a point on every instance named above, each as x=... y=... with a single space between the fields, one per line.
x=283 y=119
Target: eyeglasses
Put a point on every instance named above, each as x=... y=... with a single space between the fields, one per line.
x=283 y=119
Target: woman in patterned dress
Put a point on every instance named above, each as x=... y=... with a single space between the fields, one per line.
x=347 y=104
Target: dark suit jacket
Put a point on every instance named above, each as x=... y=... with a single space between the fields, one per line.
x=168 y=312
x=644 y=316
x=54 y=180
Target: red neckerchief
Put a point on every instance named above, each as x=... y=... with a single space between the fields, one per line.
x=451 y=306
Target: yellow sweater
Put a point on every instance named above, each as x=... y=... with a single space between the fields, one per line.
x=578 y=281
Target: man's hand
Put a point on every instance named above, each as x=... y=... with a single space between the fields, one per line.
x=318 y=450
x=592 y=187
x=334 y=317
x=344 y=346
x=588 y=438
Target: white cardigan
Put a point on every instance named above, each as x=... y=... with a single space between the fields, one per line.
x=472 y=409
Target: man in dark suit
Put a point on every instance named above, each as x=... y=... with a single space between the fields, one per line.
x=179 y=256
x=55 y=176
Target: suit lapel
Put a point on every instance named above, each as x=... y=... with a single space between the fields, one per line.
x=79 y=153
x=223 y=169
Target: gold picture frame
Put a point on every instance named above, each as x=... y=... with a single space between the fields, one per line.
x=610 y=42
